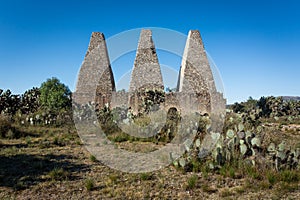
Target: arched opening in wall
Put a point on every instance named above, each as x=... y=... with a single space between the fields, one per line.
x=205 y=114
x=172 y=113
x=169 y=131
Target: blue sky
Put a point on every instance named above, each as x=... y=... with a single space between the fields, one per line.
x=255 y=44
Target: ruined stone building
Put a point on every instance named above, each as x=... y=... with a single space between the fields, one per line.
x=196 y=90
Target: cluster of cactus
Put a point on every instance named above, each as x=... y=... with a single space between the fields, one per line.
x=30 y=101
x=150 y=100
x=84 y=112
x=43 y=117
x=238 y=141
x=283 y=156
x=9 y=103
x=235 y=144
x=26 y=103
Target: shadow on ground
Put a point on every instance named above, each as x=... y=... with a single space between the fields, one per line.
x=22 y=171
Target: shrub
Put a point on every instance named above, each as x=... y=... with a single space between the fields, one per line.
x=5 y=125
x=6 y=129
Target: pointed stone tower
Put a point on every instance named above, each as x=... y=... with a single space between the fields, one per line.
x=195 y=76
x=95 y=81
x=146 y=70
x=195 y=73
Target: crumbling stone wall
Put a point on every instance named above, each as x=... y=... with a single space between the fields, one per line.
x=120 y=99
x=188 y=102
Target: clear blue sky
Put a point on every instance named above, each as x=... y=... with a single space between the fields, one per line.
x=255 y=44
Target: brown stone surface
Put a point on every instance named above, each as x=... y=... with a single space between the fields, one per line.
x=146 y=71
x=196 y=76
x=195 y=72
x=96 y=80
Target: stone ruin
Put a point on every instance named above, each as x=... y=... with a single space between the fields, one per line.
x=196 y=93
x=196 y=90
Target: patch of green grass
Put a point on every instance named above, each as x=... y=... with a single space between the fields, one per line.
x=196 y=166
x=58 y=174
x=264 y=185
x=191 y=182
x=240 y=190
x=90 y=184
x=271 y=177
x=120 y=137
x=58 y=141
x=231 y=172
x=225 y=193
x=78 y=142
x=251 y=171
x=289 y=176
x=93 y=158
x=28 y=140
x=208 y=189
x=113 y=178
x=228 y=170
x=146 y=176
x=285 y=188
x=205 y=170
x=9 y=151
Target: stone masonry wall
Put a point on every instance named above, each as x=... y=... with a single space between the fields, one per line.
x=95 y=81
x=146 y=71
x=195 y=72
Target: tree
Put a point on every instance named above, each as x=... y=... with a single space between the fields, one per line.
x=54 y=95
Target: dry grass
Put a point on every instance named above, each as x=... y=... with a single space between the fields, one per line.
x=51 y=163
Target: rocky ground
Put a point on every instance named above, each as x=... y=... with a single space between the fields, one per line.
x=51 y=163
